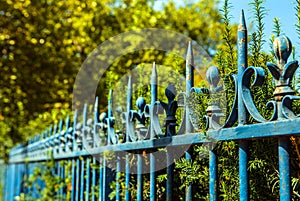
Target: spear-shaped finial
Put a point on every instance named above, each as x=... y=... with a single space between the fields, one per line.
x=96 y=109
x=189 y=68
x=110 y=103
x=242 y=65
x=67 y=121
x=61 y=125
x=153 y=84
x=84 y=114
x=129 y=94
x=242 y=24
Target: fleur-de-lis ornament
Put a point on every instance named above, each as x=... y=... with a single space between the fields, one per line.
x=282 y=72
x=170 y=108
x=140 y=118
x=214 y=112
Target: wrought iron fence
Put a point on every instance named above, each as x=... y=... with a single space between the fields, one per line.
x=80 y=153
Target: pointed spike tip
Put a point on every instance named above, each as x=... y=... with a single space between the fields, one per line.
x=96 y=104
x=242 y=25
x=190 y=55
x=154 y=74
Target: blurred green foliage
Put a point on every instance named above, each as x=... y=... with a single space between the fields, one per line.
x=43 y=44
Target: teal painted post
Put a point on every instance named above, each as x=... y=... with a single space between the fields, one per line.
x=152 y=135
x=242 y=115
x=104 y=178
x=93 y=178
x=139 y=177
x=127 y=163
x=213 y=176
x=82 y=180
x=189 y=84
x=170 y=175
x=118 y=172
x=101 y=180
x=284 y=168
x=87 y=181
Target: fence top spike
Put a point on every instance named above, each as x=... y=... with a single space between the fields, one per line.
x=55 y=128
x=110 y=102
x=190 y=55
x=84 y=113
x=96 y=104
x=60 y=125
x=129 y=93
x=68 y=121
x=242 y=25
x=154 y=74
x=50 y=130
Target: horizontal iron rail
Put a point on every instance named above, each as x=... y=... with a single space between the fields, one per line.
x=248 y=132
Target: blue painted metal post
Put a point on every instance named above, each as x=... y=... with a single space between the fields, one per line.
x=127 y=163
x=104 y=178
x=189 y=84
x=87 y=181
x=213 y=176
x=73 y=180
x=170 y=175
x=152 y=135
x=96 y=115
x=77 y=179
x=58 y=174
x=61 y=167
x=139 y=177
x=118 y=172
x=242 y=116
x=82 y=180
x=100 y=180
x=284 y=168
x=74 y=166
x=93 y=179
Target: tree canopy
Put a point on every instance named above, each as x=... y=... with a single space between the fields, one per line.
x=44 y=43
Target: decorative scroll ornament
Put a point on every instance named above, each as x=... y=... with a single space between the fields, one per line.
x=282 y=73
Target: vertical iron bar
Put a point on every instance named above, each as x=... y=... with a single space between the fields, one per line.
x=74 y=162
x=242 y=115
x=82 y=180
x=243 y=160
x=127 y=178
x=59 y=195
x=73 y=189
x=152 y=135
x=170 y=175
x=93 y=178
x=87 y=181
x=104 y=179
x=127 y=163
x=213 y=176
x=188 y=125
x=139 y=177
x=100 y=180
x=96 y=115
x=284 y=168
x=118 y=171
